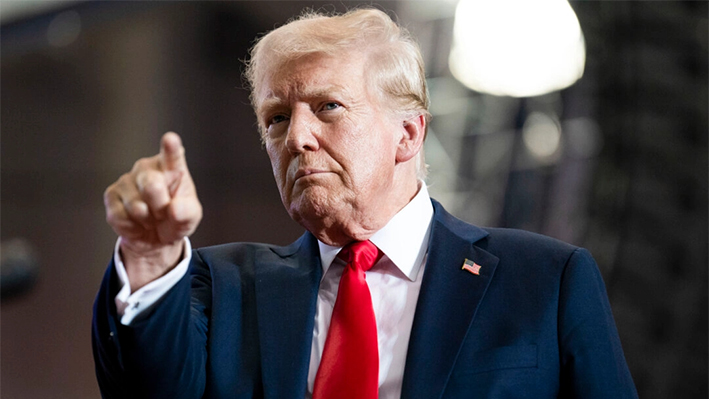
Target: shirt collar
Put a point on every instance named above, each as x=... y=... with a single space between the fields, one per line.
x=404 y=239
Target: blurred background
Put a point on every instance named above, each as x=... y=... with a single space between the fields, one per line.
x=595 y=136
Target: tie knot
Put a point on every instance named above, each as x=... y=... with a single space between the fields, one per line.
x=361 y=254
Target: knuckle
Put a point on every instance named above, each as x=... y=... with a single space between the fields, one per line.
x=124 y=181
x=114 y=188
x=108 y=195
x=151 y=185
x=111 y=197
x=137 y=165
x=136 y=209
x=144 y=176
x=114 y=217
x=142 y=164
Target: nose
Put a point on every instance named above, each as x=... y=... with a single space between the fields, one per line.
x=302 y=132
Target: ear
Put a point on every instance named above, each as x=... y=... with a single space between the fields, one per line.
x=411 y=142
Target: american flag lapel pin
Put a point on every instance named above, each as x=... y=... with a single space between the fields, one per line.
x=471 y=266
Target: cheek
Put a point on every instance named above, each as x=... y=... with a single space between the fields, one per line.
x=377 y=152
x=278 y=163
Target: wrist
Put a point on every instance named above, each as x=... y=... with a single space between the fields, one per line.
x=144 y=263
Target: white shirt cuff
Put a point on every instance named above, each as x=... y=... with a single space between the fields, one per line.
x=131 y=305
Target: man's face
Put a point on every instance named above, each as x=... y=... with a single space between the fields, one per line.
x=332 y=144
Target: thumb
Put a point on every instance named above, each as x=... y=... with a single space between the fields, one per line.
x=172 y=153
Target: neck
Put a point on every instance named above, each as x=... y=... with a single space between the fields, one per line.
x=363 y=220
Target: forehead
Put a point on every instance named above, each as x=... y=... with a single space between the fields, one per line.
x=312 y=75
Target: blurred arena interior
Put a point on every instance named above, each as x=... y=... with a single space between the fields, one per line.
x=616 y=163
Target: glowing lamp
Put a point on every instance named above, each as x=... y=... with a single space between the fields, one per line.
x=518 y=48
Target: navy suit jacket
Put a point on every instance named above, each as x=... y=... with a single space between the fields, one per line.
x=535 y=323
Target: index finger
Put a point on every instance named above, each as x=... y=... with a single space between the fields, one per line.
x=172 y=153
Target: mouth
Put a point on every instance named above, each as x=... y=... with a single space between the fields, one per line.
x=307 y=172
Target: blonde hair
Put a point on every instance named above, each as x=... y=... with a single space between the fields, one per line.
x=394 y=58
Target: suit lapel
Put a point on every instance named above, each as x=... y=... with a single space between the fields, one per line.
x=447 y=303
x=287 y=281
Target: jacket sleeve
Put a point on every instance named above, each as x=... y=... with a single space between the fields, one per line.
x=592 y=360
x=162 y=355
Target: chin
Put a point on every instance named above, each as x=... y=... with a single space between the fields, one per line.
x=314 y=204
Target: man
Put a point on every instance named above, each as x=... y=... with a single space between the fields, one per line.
x=447 y=310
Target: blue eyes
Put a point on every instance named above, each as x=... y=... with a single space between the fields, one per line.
x=276 y=119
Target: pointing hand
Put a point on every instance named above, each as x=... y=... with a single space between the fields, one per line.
x=152 y=208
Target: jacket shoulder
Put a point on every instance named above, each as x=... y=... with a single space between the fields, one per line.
x=502 y=239
x=533 y=253
x=527 y=240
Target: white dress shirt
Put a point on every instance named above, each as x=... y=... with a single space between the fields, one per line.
x=394 y=283
x=130 y=305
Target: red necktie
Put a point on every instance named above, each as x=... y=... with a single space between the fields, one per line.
x=349 y=368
